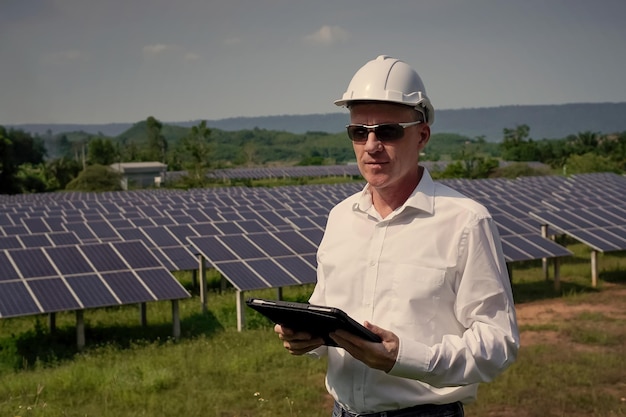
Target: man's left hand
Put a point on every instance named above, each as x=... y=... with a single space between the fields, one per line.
x=375 y=355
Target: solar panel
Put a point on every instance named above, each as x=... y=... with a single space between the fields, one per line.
x=69 y=260
x=53 y=295
x=10 y=242
x=32 y=263
x=16 y=300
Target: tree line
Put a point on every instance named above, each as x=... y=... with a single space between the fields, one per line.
x=79 y=161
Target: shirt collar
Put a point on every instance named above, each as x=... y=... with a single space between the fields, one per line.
x=422 y=198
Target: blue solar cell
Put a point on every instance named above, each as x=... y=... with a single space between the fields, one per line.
x=551 y=247
x=53 y=295
x=163 y=221
x=55 y=224
x=127 y=287
x=137 y=254
x=212 y=249
x=205 y=229
x=302 y=222
x=35 y=225
x=103 y=257
x=182 y=232
x=142 y=222
x=15 y=230
x=163 y=284
x=272 y=272
x=134 y=234
x=269 y=244
x=295 y=242
x=10 y=242
x=299 y=268
x=32 y=263
x=242 y=247
x=161 y=237
x=314 y=235
x=181 y=259
x=241 y=276
x=84 y=233
x=15 y=300
x=64 y=238
x=5 y=220
x=120 y=223
x=272 y=219
x=198 y=215
x=7 y=271
x=251 y=226
x=231 y=216
x=69 y=260
x=103 y=230
x=612 y=235
x=35 y=241
x=228 y=228
x=182 y=219
x=311 y=259
x=593 y=240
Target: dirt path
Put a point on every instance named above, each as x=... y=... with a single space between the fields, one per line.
x=611 y=302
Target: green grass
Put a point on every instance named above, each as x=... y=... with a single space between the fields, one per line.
x=214 y=370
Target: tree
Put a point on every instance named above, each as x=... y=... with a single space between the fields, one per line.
x=59 y=172
x=102 y=151
x=197 y=148
x=516 y=146
x=96 y=178
x=17 y=148
x=157 y=145
x=590 y=162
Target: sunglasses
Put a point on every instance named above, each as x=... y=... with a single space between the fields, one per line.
x=384 y=132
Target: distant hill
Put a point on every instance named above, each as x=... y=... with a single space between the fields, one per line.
x=545 y=121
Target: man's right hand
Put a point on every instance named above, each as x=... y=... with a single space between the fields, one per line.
x=297 y=343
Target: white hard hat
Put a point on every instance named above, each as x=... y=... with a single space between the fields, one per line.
x=392 y=80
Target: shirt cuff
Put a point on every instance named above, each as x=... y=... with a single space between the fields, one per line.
x=413 y=360
x=319 y=352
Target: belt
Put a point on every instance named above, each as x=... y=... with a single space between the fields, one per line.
x=452 y=409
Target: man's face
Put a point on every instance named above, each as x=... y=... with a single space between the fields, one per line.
x=389 y=163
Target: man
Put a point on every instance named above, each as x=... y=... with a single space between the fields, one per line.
x=418 y=263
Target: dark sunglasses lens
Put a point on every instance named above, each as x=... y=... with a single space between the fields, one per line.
x=357 y=133
x=389 y=132
x=383 y=132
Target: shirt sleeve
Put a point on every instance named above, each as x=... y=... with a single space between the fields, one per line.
x=483 y=306
x=318 y=298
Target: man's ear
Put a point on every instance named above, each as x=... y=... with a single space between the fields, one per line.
x=424 y=135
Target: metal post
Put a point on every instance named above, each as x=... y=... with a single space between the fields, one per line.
x=241 y=317
x=175 y=320
x=544 y=261
x=143 y=314
x=202 y=282
x=80 y=330
x=594 y=268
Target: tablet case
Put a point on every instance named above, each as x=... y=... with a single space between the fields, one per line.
x=314 y=319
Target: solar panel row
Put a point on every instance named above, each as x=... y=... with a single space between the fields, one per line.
x=76 y=277
x=170 y=222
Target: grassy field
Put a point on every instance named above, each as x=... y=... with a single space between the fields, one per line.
x=572 y=361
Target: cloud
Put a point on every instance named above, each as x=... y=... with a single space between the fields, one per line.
x=232 y=41
x=328 y=35
x=66 y=57
x=190 y=56
x=157 y=49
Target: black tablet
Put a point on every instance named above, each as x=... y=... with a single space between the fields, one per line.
x=314 y=319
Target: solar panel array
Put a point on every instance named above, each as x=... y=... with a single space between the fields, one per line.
x=50 y=279
x=267 y=237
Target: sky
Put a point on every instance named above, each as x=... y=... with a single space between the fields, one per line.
x=121 y=61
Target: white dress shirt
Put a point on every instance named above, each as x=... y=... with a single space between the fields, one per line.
x=433 y=273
